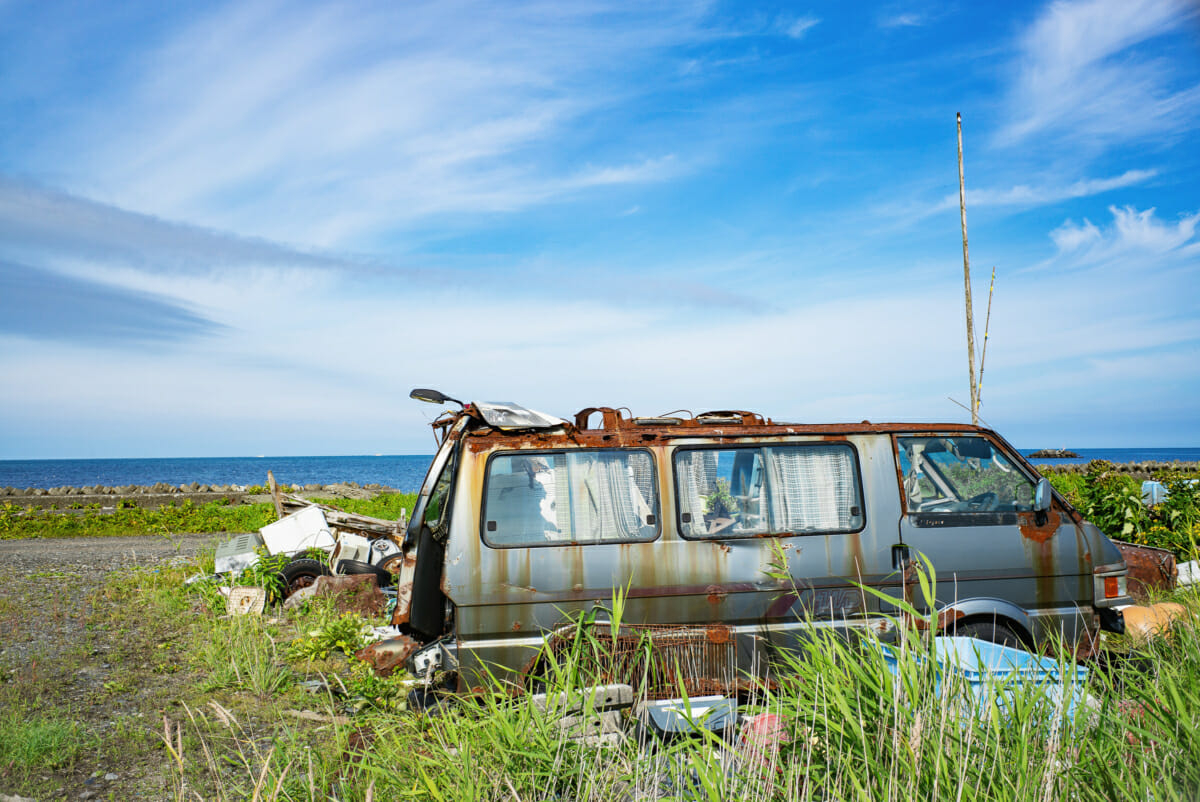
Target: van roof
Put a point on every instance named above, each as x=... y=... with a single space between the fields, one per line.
x=516 y=425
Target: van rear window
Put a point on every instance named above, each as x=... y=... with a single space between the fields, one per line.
x=553 y=498
x=743 y=492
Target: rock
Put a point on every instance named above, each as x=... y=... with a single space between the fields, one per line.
x=110 y=777
x=312 y=488
x=58 y=491
x=204 y=489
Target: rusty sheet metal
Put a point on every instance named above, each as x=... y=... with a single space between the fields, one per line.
x=357 y=593
x=1150 y=569
x=404 y=566
x=627 y=433
x=655 y=660
x=386 y=656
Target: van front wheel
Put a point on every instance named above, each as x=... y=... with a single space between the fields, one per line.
x=991 y=631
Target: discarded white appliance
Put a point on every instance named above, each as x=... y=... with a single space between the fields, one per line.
x=301 y=530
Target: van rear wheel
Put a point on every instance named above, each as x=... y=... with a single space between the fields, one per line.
x=990 y=631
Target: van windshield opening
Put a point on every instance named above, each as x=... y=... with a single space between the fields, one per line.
x=961 y=474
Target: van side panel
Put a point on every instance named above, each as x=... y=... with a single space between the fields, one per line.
x=507 y=598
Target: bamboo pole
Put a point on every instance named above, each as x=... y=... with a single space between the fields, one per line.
x=962 y=207
x=987 y=325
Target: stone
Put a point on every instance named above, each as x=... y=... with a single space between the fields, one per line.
x=110 y=777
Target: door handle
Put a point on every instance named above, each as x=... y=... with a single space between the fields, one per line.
x=900 y=557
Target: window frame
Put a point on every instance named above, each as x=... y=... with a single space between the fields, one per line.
x=525 y=452
x=760 y=446
x=976 y=517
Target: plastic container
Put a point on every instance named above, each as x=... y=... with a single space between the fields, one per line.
x=993 y=672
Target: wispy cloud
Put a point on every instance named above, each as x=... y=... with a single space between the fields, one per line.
x=1081 y=77
x=1026 y=195
x=797 y=27
x=326 y=126
x=907 y=19
x=42 y=305
x=1130 y=232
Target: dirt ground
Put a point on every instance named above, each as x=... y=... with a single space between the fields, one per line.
x=73 y=651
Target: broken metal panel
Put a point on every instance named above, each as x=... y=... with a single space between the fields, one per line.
x=386 y=656
x=1150 y=569
x=237 y=554
x=506 y=416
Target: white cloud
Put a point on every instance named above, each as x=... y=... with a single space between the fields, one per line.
x=1030 y=195
x=905 y=20
x=1078 y=76
x=1132 y=233
x=797 y=28
x=328 y=126
x=1025 y=195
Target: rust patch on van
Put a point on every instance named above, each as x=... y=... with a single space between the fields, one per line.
x=716 y=594
x=1031 y=530
x=945 y=619
x=718 y=634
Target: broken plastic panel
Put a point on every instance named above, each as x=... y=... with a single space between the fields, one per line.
x=506 y=415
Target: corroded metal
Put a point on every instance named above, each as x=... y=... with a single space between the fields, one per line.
x=1150 y=569
x=657 y=661
x=386 y=656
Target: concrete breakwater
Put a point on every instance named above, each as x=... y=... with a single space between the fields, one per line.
x=1137 y=470
x=161 y=494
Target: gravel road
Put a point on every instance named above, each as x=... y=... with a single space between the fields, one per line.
x=100 y=553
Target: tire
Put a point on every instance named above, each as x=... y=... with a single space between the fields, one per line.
x=382 y=578
x=300 y=573
x=990 y=631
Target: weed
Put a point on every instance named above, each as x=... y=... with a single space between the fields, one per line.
x=32 y=742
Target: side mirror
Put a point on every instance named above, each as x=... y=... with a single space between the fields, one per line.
x=1042 y=495
x=432 y=396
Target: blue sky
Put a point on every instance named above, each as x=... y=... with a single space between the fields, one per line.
x=251 y=228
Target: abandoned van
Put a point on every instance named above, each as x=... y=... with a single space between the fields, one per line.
x=727 y=536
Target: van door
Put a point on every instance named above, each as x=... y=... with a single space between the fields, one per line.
x=797 y=517
x=968 y=511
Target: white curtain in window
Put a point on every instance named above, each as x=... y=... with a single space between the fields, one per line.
x=811 y=489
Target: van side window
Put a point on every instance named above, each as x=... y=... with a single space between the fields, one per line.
x=961 y=474
x=437 y=513
x=742 y=492
x=554 y=498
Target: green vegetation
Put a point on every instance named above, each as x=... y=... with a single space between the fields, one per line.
x=1113 y=501
x=128 y=519
x=22 y=522
x=278 y=707
x=385 y=505
x=31 y=741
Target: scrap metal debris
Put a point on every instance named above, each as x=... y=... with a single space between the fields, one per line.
x=1150 y=569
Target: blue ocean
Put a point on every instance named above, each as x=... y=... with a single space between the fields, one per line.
x=404 y=472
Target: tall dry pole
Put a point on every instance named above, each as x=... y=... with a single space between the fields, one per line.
x=962 y=208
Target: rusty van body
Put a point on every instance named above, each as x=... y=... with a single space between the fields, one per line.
x=730 y=536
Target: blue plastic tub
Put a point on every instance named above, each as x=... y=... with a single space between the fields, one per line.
x=992 y=672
